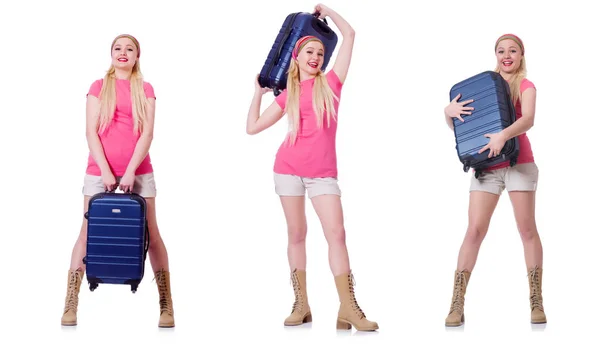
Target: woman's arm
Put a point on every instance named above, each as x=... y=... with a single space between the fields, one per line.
x=344 y=56
x=92 y=112
x=257 y=123
x=449 y=122
x=143 y=144
x=527 y=118
x=498 y=140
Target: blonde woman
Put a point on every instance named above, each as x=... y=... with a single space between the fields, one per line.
x=306 y=163
x=119 y=129
x=520 y=181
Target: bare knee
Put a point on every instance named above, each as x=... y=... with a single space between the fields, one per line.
x=296 y=234
x=155 y=239
x=527 y=230
x=336 y=235
x=475 y=233
x=82 y=238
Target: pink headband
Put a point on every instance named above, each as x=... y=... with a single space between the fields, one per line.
x=511 y=37
x=301 y=43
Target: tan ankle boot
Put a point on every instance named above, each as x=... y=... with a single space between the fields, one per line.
x=535 y=296
x=163 y=281
x=69 y=317
x=301 y=310
x=456 y=316
x=350 y=314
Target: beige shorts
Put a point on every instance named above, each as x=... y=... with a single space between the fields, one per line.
x=292 y=185
x=144 y=185
x=521 y=177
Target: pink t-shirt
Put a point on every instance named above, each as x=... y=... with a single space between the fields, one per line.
x=118 y=139
x=525 y=152
x=314 y=153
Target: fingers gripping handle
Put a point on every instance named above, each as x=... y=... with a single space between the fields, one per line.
x=317 y=14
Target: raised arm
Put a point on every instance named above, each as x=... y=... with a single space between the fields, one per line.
x=257 y=123
x=344 y=56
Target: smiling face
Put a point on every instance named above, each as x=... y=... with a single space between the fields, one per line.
x=311 y=57
x=509 y=55
x=124 y=53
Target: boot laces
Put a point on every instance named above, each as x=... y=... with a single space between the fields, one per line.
x=163 y=292
x=297 y=293
x=536 y=294
x=72 y=296
x=458 y=298
x=354 y=303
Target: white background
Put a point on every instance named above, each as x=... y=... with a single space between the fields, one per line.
x=405 y=195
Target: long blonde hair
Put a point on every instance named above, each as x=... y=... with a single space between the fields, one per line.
x=108 y=94
x=515 y=81
x=323 y=100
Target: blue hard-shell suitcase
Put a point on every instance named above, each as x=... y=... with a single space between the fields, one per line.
x=296 y=25
x=117 y=239
x=493 y=112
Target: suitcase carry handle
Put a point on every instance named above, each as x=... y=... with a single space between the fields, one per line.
x=115 y=191
x=317 y=14
x=322 y=24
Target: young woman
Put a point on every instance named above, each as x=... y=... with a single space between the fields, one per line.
x=520 y=181
x=119 y=128
x=306 y=161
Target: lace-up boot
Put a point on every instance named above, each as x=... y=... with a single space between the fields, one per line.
x=535 y=296
x=163 y=281
x=69 y=317
x=456 y=316
x=350 y=314
x=301 y=310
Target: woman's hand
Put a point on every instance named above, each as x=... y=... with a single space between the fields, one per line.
x=127 y=181
x=455 y=109
x=109 y=181
x=322 y=10
x=258 y=88
x=496 y=143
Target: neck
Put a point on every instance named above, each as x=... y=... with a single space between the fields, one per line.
x=305 y=76
x=122 y=74
x=506 y=75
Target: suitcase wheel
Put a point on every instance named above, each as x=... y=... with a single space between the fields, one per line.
x=93 y=286
x=466 y=168
x=276 y=91
x=134 y=288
